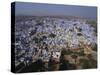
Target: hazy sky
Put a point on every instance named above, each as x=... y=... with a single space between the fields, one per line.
x=37 y=9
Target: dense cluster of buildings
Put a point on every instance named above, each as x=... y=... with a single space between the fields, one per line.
x=43 y=37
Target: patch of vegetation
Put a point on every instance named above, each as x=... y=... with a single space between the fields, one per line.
x=94 y=47
x=88 y=63
x=93 y=23
x=66 y=52
x=81 y=53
